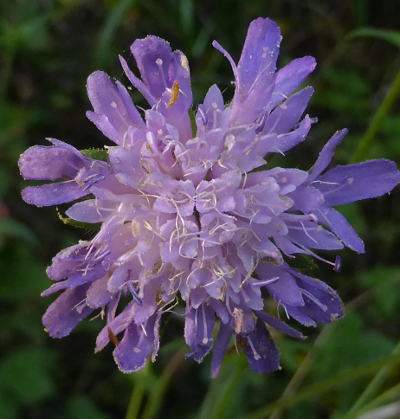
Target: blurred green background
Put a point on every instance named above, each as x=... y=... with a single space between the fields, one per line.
x=47 y=49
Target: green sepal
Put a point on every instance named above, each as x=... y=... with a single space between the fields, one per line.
x=304 y=263
x=96 y=153
x=92 y=227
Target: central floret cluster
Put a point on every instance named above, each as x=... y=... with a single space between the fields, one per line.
x=187 y=217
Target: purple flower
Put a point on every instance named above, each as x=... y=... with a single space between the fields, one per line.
x=185 y=217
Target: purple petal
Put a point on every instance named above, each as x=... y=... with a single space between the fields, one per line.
x=49 y=163
x=248 y=108
x=136 y=346
x=285 y=290
x=87 y=212
x=160 y=67
x=326 y=154
x=303 y=318
x=353 y=182
x=255 y=73
x=260 y=350
x=65 y=263
x=132 y=114
x=259 y=54
x=290 y=77
x=165 y=81
x=341 y=227
x=220 y=310
x=322 y=302
x=267 y=249
x=104 y=125
x=252 y=297
x=208 y=114
x=114 y=111
x=220 y=347
x=97 y=294
x=198 y=296
x=117 y=325
x=199 y=325
x=288 y=179
x=66 y=312
x=288 y=113
x=307 y=198
x=58 y=286
x=279 y=325
x=53 y=193
x=313 y=235
x=119 y=278
x=149 y=304
x=289 y=140
x=286 y=246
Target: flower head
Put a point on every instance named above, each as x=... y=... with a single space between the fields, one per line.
x=184 y=215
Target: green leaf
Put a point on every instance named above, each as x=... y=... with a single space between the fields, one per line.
x=377 y=121
x=187 y=16
x=337 y=381
x=156 y=396
x=96 y=153
x=25 y=375
x=224 y=389
x=373 y=386
x=382 y=280
x=14 y=229
x=81 y=407
x=31 y=34
x=8 y=409
x=337 y=80
x=386 y=35
x=25 y=274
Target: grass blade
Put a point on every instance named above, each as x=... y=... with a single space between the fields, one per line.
x=377 y=120
x=102 y=50
x=390 y=36
x=325 y=385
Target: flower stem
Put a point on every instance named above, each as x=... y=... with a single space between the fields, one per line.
x=377 y=120
x=135 y=401
x=388 y=395
x=312 y=391
x=373 y=386
x=228 y=390
x=304 y=368
x=156 y=396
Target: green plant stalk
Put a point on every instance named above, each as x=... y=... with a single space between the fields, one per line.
x=210 y=396
x=304 y=367
x=373 y=386
x=325 y=385
x=228 y=389
x=384 y=397
x=135 y=401
x=156 y=396
x=377 y=120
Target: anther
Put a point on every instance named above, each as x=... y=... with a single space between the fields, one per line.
x=174 y=94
